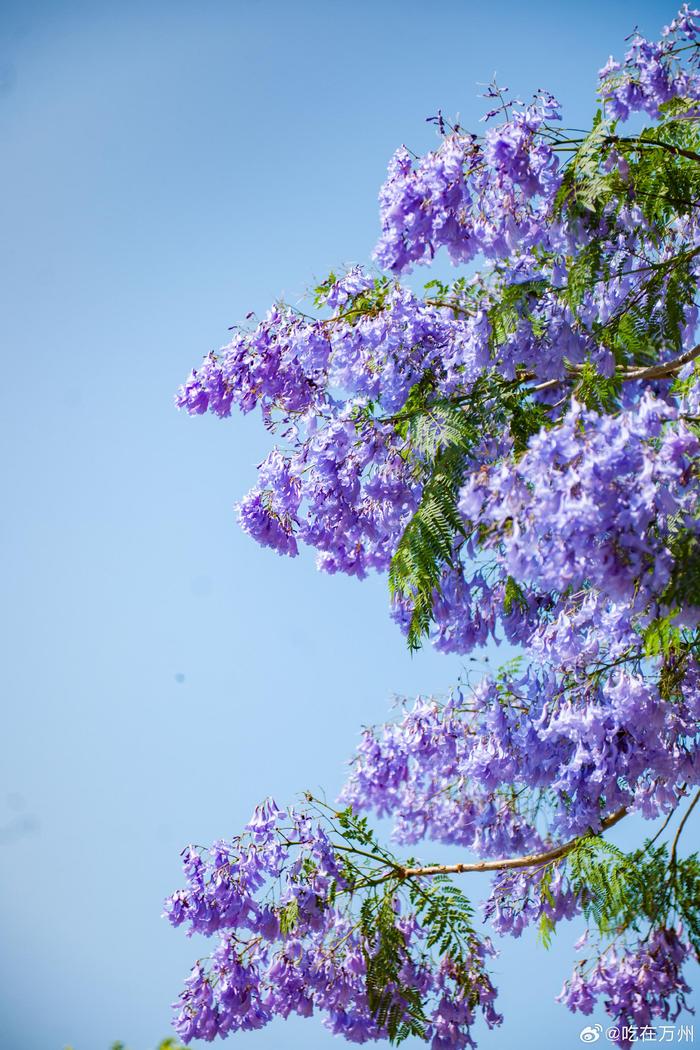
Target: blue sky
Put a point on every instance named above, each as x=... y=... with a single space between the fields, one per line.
x=167 y=168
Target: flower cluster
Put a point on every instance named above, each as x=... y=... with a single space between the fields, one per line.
x=651 y=73
x=282 y=363
x=472 y=199
x=279 y=900
x=517 y=901
x=344 y=485
x=638 y=985
x=475 y=771
x=519 y=450
x=592 y=502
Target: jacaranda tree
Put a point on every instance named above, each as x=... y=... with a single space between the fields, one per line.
x=519 y=451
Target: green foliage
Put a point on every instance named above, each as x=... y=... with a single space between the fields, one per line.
x=523 y=416
x=661 y=637
x=429 y=540
x=672 y=647
x=514 y=596
x=661 y=174
x=504 y=676
x=658 y=172
x=584 y=185
x=621 y=891
x=322 y=290
x=583 y=271
x=442 y=909
x=514 y=304
x=390 y=999
x=356 y=829
x=607 y=880
x=368 y=302
x=651 y=321
x=684 y=586
x=288 y=916
x=443 y=435
x=596 y=391
x=683 y=387
x=686 y=886
x=382 y=892
x=546 y=927
x=447 y=913
x=666 y=174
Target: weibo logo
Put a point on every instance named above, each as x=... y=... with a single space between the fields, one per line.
x=591 y=1034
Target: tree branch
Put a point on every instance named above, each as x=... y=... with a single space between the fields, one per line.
x=687 y=813
x=658 y=371
x=506 y=863
x=635 y=142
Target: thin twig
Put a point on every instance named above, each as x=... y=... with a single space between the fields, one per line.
x=689 y=810
x=638 y=143
x=663 y=827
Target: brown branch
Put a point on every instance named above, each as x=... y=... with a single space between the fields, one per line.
x=687 y=813
x=667 y=368
x=506 y=863
x=627 y=375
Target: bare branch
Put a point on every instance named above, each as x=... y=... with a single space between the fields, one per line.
x=504 y=864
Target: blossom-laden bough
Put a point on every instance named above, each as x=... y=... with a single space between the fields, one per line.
x=518 y=450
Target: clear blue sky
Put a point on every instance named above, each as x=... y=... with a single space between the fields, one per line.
x=167 y=168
